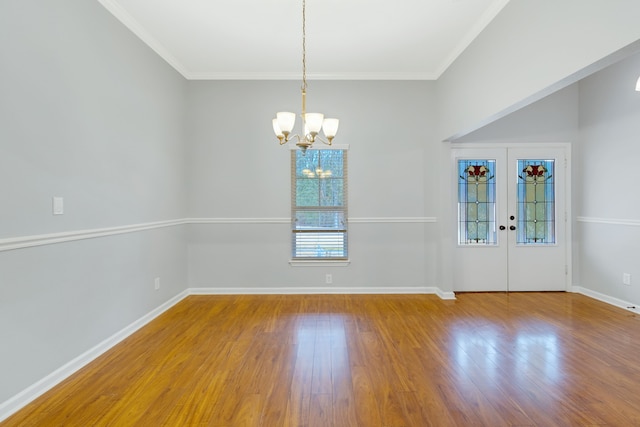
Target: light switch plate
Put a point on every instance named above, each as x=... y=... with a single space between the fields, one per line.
x=58 y=206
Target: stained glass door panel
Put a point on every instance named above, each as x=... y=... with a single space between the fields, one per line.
x=476 y=202
x=536 y=202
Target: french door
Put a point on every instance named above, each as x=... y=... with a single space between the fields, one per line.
x=511 y=208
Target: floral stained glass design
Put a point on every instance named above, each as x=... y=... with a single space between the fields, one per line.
x=536 y=202
x=476 y=202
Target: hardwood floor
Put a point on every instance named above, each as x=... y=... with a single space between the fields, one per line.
x=524 y=359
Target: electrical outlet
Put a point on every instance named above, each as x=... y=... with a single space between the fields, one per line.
x=156 y=283
x=626 y=279
x=328 y=279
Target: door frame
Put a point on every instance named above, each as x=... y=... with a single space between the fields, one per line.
x=453 y=199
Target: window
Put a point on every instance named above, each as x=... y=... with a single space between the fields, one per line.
x=319 y=204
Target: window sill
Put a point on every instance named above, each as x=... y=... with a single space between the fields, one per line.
x=319 y=263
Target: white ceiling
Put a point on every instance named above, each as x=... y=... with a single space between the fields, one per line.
x=346 y=39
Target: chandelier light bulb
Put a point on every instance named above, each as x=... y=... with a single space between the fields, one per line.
x=286 y=121
x=314 y=122
x=276 y=128
x=330 y=128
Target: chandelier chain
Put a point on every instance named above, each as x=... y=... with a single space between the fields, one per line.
x=312 y=123
x=304 y=45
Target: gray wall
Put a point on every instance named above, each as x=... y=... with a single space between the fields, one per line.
x=531 y=49
x=237 y=171
x=89 y=113
x=600 y=116
x=609 y=206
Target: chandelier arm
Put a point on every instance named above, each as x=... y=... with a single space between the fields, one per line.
x=290 y=137
x=327 y=141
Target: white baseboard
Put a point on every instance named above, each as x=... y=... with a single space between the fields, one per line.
x=20 y=400
x=446 y=295
x=606 y=298
x=321 y=290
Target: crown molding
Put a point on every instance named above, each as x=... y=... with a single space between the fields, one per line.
x=236 y=75
x=139 y=30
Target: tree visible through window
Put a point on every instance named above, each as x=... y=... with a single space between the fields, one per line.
x=319 y=204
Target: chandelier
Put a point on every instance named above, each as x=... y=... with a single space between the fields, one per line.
x=312 y=123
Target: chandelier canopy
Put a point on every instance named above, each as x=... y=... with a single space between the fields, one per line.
x=312 y=123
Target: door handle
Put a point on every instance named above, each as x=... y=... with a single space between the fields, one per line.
x=512 y=227
x=502 y=227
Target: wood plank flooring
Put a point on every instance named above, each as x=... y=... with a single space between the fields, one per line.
x=489 y=359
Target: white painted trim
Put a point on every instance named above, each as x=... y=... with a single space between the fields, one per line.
x=138 y=29
x=393 y=220
x=68 y=236
x=326 y=290
x=239 y=75
x=351 y=220
x=237 y=221
x=508 y=144
x=319 y=263
x=611 y=221
x=20 y=400
x=607 y=299
x=13 y=243
x=445 y=295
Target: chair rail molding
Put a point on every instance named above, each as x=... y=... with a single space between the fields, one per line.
x=21 y=242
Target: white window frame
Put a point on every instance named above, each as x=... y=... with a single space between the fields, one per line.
x=319 y=261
